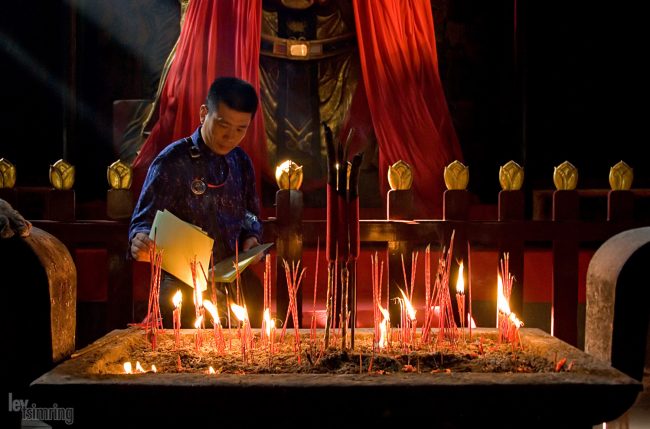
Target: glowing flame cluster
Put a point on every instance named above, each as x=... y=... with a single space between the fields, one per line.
x=212 y=309
x=177 y=299
x=268 y=322
x=128 y=368
x=460 y=283
x=504 y=306
x=409 y=308
x=383 y=328
x=199 y=320
x=240 y=312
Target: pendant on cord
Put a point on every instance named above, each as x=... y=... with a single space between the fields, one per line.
x=198 y=186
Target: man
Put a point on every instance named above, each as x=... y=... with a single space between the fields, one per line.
x=206 y=180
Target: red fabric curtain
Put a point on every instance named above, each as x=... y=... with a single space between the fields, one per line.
x=410 y=117
x=218 y=38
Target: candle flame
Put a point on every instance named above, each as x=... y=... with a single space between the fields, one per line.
x=240 y=312
x=383 y=341
x=409 y=308
x=212 y=309
x=178 y=298
x=153 y=368
x=385 y=313
x=515 y=321
x=460 y=283
x=138 y=367
x=268 y=322
x=502 y=302
x=211 y=371
x=128 y=369
x=197 y=323
x=504 y=306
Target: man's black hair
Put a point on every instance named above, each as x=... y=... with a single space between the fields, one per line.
x=235 y=93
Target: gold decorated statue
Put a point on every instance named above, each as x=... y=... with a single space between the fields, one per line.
x=7 y=174
x=62 y=175
x=400 y=176
x=621 y=176
x=565 y=177
x=511 y=176
x=119 y=175
x=456 y=176
x=288 y=175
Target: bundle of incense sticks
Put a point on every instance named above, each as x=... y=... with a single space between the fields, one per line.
x=440 y=300
x=153 y=321
x=312 y=326
x=293 y=284
x=267 y=297
x=199 y=311
x=342 y=240
x=408 y=322
x=507 y=322
x=377 y=311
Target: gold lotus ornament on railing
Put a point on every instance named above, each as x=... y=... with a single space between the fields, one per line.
x=621 y=176
x=7 y=174
x=119 y=175
x=400 y=176
x=288 y=175
x=565 y=176
x=62 y=175
x=511 y=176
x=456 y=176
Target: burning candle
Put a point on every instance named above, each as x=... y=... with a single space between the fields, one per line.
x=269 y=329
x=408 y=320
x=460 y=297
x=177 y=300
x=216 y=324
x=242 y=315
x=383 y=328
x=507 y=322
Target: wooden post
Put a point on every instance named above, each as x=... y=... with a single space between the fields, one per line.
x=288 y=211
x=564 y=310
x=511 y=208
x=399 y=206
x=455 y=207
x=620 y=206
x=119 y=203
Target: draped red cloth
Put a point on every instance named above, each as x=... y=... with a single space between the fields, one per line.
x=410 y=117
x=401 y=95
x=218 y=38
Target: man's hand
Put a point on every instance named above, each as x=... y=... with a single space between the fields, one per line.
x=248 y=244
x=140 y=246
x=12 y=222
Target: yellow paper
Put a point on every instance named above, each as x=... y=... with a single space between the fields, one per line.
x=225 y=270
x=181 y=242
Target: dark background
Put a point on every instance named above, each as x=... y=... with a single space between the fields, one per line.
x=565 y=83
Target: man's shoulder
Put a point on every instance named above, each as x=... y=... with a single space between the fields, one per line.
x=240 y=154
x=175 y=150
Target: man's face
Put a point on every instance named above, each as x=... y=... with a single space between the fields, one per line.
x=224 y=128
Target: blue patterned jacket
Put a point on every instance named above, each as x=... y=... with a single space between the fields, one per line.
x=224 y=212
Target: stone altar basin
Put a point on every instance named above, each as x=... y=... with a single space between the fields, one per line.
x=590 y=393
